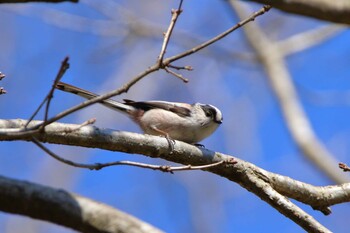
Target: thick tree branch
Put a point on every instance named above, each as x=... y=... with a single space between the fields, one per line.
x=153 y=146
x=334 y=11
x=66 y=209
x=98 y=166
x=246 y=174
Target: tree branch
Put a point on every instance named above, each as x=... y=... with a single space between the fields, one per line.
x=174 y=16
x=99 y=166
x=334 y=11
x=249 y=176
x=250 y=18
x=66 y=209
x=49 y=96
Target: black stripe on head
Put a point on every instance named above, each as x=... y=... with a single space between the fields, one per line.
x=212 y=112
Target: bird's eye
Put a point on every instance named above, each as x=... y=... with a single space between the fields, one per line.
x=208 y=113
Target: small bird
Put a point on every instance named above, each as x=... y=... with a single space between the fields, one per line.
x=189 y=123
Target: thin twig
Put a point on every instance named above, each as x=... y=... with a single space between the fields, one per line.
x=174 y=16
x=185 y=80
x=98 y=166
x=262 y=11
x=61 y=72
x=189 y=68
x=35 y=112
x=47 y=99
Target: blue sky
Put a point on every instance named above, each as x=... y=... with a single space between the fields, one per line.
x=105 y=54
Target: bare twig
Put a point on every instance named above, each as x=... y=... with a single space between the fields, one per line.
x=61 y=72
x=201 y=167
x=262 y=11
x=36 y=112
x=47 y=99
x=174 y=16
x=189 y=68
x=185 y=80
x=98 y=166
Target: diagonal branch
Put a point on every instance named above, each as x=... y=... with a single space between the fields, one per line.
x=286 y=207
x=248 y=19
x=49 y=96
x=174 y=16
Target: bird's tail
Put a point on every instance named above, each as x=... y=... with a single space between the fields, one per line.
x=115 y=105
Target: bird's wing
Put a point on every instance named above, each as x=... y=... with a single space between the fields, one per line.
x=181 y=109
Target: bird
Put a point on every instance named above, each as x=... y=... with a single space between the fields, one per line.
x=190 y=123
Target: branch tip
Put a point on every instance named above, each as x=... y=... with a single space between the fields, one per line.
x=185 y=80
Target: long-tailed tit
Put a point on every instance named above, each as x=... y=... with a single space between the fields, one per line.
x=190 y=123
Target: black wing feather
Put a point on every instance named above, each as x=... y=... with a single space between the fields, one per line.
x=147 y=105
